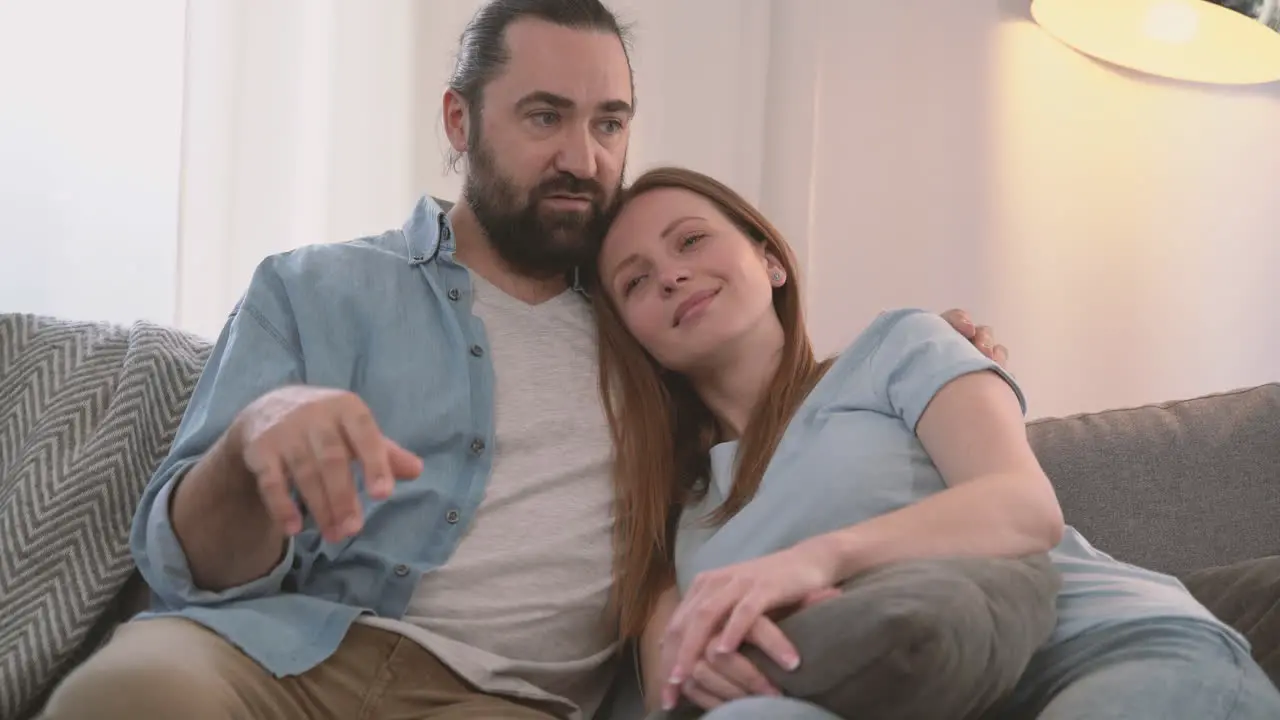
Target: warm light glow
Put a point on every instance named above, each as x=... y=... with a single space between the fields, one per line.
x=1171 y=21
x=1190 y=40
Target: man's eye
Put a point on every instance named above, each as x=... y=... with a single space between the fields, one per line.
x=611 y=126
x=544 y=119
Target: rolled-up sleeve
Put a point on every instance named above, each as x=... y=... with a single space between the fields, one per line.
x=257 y=351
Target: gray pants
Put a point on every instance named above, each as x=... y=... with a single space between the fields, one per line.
x=1155 y=671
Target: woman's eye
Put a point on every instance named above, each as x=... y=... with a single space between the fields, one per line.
x=631 y=284
x=690 y=240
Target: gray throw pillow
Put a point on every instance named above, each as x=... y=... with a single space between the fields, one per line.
x=1246 y=596
x=926 y=640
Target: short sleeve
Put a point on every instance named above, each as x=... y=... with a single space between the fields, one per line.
x=907 y=356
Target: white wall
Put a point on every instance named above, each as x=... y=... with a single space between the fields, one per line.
x=299 y=129
x=90 y=117
x=902 y=151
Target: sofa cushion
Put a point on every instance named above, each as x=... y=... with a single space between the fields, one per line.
x=87 y=412
x=1245 y=595
x=1173 y=487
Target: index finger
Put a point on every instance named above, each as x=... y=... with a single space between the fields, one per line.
x=366 y=443
x=740 y=671
x=690 y=631
x=766 y=635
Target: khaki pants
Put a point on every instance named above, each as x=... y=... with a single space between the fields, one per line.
x=171 y=668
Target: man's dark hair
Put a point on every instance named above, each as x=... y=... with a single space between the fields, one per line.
x=483 y=52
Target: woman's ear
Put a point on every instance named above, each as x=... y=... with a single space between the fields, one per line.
x=777 y=273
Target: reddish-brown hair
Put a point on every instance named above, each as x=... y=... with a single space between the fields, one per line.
x=663 y=433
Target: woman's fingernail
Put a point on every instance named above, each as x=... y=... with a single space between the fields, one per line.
x=792 y=661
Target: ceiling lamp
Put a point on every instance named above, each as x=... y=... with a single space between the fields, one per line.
x=1232 y=42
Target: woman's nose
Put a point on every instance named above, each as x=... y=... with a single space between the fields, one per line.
x=672 y=279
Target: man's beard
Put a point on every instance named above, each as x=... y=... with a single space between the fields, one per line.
x=531 y=239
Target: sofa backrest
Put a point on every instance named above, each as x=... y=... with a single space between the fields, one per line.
x=1172 y=487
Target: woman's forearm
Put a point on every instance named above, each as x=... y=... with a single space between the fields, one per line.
x=993 y=516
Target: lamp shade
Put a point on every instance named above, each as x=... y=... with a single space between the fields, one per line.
x=1234 y=42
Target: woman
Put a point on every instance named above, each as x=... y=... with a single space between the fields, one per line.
x=794 y=474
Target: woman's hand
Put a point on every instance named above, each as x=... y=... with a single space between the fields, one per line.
x=726 y=606
x=721 y=677
x=718 y=678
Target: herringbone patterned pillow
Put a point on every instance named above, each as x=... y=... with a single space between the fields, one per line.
x=87 y=412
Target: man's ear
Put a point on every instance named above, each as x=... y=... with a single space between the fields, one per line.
x=457 y=120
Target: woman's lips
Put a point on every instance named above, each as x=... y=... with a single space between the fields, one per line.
x=692 y=305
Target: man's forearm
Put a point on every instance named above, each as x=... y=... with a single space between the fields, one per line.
x=223 y=527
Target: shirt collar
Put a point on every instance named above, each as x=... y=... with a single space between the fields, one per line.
x=427 y=232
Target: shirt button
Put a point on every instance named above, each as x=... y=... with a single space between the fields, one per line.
x=402 y=570
x=477 y=446
x=477 y=350
x=454 y=294
x=452 y=516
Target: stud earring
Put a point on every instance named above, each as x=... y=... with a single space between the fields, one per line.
x=776 y=277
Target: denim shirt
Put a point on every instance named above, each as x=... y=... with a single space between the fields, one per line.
x=386 y=317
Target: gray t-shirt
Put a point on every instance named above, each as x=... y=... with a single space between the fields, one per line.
x=521 y=608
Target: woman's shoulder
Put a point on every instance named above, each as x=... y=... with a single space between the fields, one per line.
x=893 y=333
x=900 y=360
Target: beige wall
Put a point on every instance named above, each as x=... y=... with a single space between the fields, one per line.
x=1120 y=232
x=1136 y=246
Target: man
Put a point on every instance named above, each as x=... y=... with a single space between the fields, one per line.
x=390 y=495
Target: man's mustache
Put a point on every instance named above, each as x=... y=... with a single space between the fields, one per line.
x=566 y=184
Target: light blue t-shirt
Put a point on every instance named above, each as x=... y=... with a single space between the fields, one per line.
x=851 y=454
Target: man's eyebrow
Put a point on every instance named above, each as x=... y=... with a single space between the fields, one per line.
x=617 y=107
x=560 y=102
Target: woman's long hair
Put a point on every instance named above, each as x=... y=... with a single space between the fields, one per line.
x=663 y=433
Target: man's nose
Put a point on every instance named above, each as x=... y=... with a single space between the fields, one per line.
x=578 y=153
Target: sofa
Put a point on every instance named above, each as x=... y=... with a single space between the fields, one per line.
x=87 y=411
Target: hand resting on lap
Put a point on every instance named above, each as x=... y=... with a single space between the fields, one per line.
x=939 y=639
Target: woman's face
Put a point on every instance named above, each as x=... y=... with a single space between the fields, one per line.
x=686 y=281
